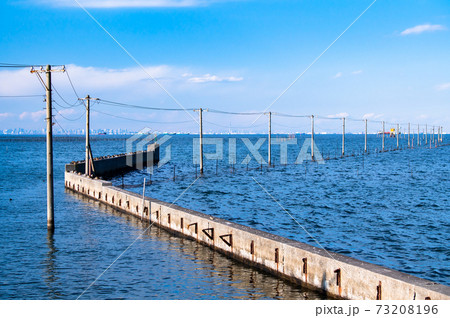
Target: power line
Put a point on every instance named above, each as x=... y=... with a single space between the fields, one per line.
x=234 y=127
x=69 y=119
x=19 y=96
x=232 y=113
x=71 y=84
x=117 y=104
x=61 y=127
x=76 y=104
x=14 y=65
x=143 y=121
x=289 y=115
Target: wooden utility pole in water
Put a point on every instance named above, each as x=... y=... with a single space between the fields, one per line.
x=200 y=113
x=87 y=164
x=270 y=140
x=426 y=134
x=418 y=135
x=49 y=118
x=398 y=135
x=382 y=142
x=312 y=137
x=49 y=139
x=409 y=135
x=50 y=199
x=343 y=136
x=365 y=137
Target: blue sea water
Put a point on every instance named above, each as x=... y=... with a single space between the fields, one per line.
x=89 y=237
x=386 y=208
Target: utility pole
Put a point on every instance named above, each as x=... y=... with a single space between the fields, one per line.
x=312 y=137
x=343 y=136
x=382 y=138
x=49 y=118
x=409 y=135
x=418 y=135
x=87 y=163
x=50 y=198
x=365 y=138
x=270 y=139
x=397 y=135
x=426 y=134
x=200 y=122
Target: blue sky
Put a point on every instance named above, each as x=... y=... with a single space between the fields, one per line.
x=392 y=64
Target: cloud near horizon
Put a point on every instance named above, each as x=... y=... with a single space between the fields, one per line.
x=131 y=85
x=111 y=4
x=5 y=115
x=418 y=29
x=34 y=116
x=443 y=87
x=340 y=115
x=106 y=81
x=372 y=116
x=207 y=78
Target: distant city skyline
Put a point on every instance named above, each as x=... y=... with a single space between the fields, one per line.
x=234 y=56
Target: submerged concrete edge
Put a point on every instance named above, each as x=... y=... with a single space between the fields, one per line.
x=335 y=274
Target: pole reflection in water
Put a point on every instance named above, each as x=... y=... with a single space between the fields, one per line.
x=50 y=273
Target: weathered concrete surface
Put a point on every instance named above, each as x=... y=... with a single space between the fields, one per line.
x=298 y=262
x=111 y=165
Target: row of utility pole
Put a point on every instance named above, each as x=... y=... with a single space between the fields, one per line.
x=89 y=166
x=383 y=133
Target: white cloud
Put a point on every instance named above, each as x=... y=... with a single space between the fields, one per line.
x=338 y=75
x=105 y=78
x=443 y=87
x=372 y=116
x=131 y=85
x=5 y=115
x=357 y=72
x=107 y=4
x=34 y=116
x=108 y=83
x=19 y=82
x=214 y=78
x=418 y=29
x=339 y=115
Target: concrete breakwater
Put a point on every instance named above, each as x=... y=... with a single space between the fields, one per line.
x=335 y=274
